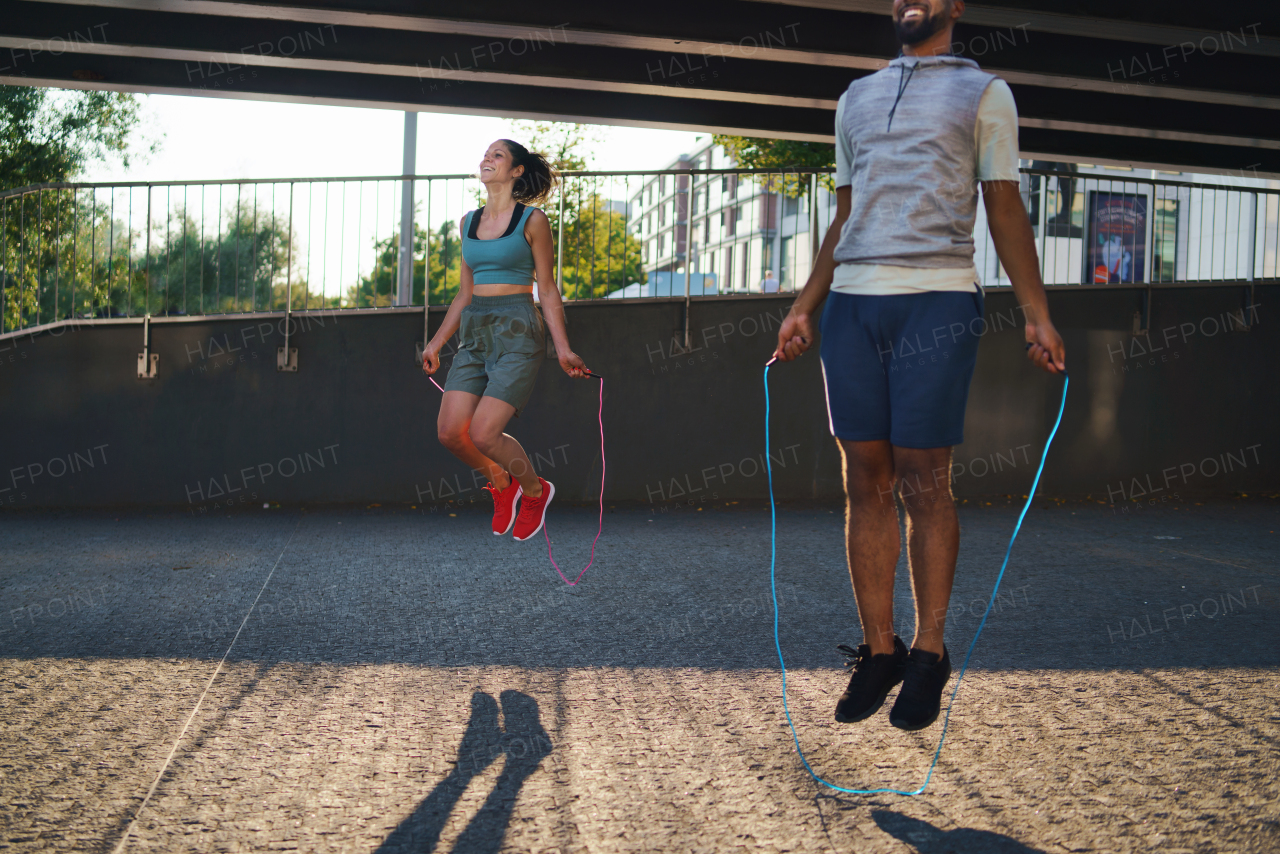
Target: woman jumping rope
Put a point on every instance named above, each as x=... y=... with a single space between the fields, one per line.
x=506 y=245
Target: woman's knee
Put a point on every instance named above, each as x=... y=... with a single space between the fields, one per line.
x=452 y=435
x=484 y=439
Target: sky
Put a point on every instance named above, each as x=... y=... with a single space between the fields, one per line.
x=205 y=138
x=202 y=138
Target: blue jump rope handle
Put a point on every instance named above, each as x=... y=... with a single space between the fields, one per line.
x=1028 y=347
x=773 y=587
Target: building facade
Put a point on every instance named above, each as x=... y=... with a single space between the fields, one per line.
x=1105 y=224
x=733 y=230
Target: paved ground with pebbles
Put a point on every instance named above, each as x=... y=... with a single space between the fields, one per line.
x=406 y=682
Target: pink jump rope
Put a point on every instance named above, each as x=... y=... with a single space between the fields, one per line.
x=600 y=522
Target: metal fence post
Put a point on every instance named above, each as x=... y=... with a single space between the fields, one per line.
x=404 y=293
x=426 y=280
x=22 y=258
x=813 y=224
x=146 y=270
x=688 y=251
x=40 y=247
x=4 y=264
x=286 y=356
x=560 y=242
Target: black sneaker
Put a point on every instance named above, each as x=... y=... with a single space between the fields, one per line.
x=873 y=677
x=921 y=695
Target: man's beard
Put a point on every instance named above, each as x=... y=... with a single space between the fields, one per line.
x=917 y=32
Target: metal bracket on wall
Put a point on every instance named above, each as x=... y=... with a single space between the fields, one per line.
x=147 y=365
x=1142 y=317
x=148 y=362
x=680 y=336
x=286 y=356
x=1248 y=312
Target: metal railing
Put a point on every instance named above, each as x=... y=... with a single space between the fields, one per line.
x=1099 y=229
x=165 y=249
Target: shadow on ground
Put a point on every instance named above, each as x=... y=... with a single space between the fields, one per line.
x=927 y=839
x=524 y=744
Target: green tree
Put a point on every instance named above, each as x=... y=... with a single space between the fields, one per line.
x=443 y=250
x=245 y=268
x=569 y=147
x=48 y=135
x=781 y=154
x=80 y=261
x=445 y=256
x=600 y=255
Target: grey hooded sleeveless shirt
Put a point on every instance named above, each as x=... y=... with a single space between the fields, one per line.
x=911 y=128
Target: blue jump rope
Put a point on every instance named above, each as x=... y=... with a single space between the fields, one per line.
x=773 y=586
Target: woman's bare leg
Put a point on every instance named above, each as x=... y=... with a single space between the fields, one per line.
x=487 y=423
x=457 y=414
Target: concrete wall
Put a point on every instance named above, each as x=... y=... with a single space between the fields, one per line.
x=356 y=423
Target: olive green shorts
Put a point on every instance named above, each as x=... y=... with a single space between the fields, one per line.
x=501 y=345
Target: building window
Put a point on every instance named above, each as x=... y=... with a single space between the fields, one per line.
x=785 y=275
x=1164 y=264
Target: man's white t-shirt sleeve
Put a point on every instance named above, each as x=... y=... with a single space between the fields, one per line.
x=996 y=134
x=844 y=156
x=996 y=139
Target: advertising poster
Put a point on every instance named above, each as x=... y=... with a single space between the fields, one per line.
x=1117 y=228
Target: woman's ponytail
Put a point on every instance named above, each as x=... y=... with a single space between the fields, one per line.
x=540 y=178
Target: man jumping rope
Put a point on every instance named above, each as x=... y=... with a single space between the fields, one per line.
x=901 y=327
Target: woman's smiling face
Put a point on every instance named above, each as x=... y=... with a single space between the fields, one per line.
x=497 y=165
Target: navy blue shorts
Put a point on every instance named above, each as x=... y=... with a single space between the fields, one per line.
x=898 y=367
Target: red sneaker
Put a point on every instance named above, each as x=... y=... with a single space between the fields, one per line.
x=504 y=506
x=533 y=511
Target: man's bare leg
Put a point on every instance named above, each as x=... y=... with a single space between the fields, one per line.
x=872 y=537
x=933 y=537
